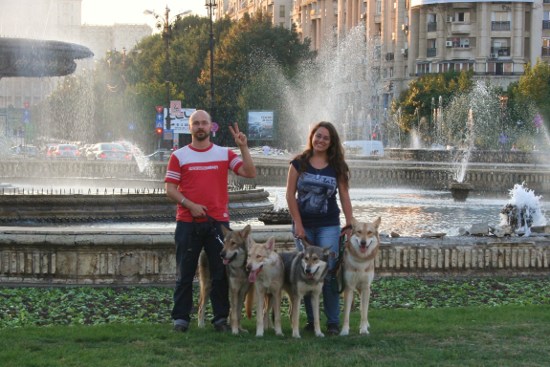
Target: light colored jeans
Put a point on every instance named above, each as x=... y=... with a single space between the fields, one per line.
x=325 y=237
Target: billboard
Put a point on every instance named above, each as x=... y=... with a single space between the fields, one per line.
x=260 y=125
x=179 y=119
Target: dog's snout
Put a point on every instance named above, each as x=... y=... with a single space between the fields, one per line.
x=363 y=242
x=222 y=254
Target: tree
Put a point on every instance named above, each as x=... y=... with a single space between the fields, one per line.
x=418 y=102
x=249 y=60
x=534 y=85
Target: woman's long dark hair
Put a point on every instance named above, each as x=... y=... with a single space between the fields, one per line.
x=335 y=153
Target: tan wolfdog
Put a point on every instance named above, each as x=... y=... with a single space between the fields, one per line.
x=234 y=255
x=267 y=273
x=305 y=273
x=358 y=267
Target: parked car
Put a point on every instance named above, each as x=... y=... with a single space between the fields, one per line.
x=24 y=150
x=161 y=155
x=108 y=152
x=50 y=149
x=66 y=151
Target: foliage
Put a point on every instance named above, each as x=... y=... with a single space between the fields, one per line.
x=423 y=95
x=245 y=67
x=86 y=305
x=534 y=85
x=509 y=328
x=117 y=99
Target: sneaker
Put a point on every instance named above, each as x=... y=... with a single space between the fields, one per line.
x=181 y=326
x=333 y=329
x=309 y=328
x=222 y=326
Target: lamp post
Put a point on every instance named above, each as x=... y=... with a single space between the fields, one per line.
x=166 y=24
x=210 y=5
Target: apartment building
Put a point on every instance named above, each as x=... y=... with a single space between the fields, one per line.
x=495 y=39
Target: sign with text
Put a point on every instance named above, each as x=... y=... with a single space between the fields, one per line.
x=180 y=120
x=260 y=125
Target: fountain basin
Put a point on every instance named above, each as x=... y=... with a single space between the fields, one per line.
x=57 y=256
x=460 y=190
x=21 y=57
x=17 y=209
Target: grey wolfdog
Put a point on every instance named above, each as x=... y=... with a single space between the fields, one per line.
x=234 y=255
x=305 y=273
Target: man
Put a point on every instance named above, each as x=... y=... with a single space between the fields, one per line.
x=196 y=179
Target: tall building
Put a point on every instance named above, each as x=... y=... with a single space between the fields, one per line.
x=495 y=39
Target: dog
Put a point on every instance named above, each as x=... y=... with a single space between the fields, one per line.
x=234 y=255
x=266 y=271
x=305 y=273
x=358 y=269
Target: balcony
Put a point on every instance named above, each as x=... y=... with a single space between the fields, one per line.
x=499 y=51
x=431 y=52
x=460 y=28
x=500 y=26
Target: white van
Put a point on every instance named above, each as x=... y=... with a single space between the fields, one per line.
x=364 y=147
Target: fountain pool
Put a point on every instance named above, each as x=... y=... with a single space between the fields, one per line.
x=410 y=212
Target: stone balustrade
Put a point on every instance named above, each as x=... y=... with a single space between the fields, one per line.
x=95 y=257
x=488 y=171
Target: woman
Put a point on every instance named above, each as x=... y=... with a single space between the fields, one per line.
x=314 y=178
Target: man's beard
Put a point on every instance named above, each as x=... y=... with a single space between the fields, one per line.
x=201 y=135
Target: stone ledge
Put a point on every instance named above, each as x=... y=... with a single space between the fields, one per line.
x=67 y=257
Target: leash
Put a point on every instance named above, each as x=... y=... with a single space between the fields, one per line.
x=336 y=285
x=213 y=228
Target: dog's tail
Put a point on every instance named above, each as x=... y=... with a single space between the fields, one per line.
x=249 y=301
x=205 y=285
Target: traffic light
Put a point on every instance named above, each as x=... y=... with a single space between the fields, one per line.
x=158 y=131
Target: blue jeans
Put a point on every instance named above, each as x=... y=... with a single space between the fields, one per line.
x=325 y=237
x=190 y=239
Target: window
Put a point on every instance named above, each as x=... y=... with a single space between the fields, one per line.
x=460 y=17
x=500 y=20
x=282 y=11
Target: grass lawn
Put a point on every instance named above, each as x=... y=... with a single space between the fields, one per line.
x=414 y=322
x=473 y=336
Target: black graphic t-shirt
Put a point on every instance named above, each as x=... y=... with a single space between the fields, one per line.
x=316 y=199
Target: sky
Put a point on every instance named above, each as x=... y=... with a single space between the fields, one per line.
x=108 y=12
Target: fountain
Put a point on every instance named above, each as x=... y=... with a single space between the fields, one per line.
x=523 y=211
x=460 y=189
x=480 y=130
x=88 y=253
x=21 y=57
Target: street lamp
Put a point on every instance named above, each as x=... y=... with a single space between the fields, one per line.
x=166 y=24
x=210 y=5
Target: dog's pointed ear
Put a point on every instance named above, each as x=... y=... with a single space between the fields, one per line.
x=225 y=230
x=326 y=254
x=245 y=231
x=377 y=222
x=270 y=244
